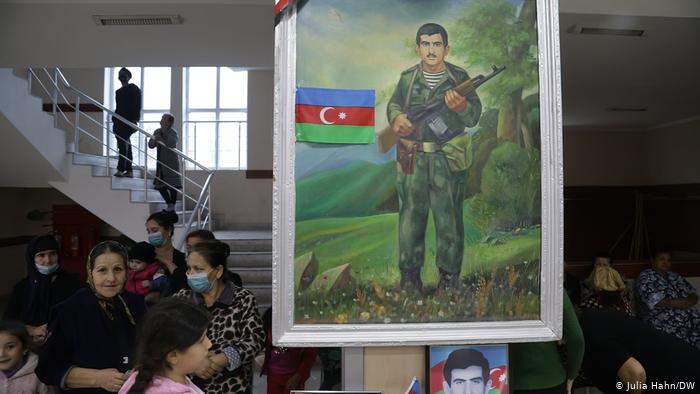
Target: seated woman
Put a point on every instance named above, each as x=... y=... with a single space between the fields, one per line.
x=92 y=334
x=609 y=291
x=235 y=329
x=160 y=227
x=45 y=285
x=667 y=300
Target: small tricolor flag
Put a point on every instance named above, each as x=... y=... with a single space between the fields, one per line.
x=335 y=116
x=414 y=388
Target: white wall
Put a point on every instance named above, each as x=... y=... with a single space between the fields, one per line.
x=64 y=35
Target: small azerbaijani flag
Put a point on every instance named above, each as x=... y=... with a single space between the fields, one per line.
x=335 y=116
x=414 y=388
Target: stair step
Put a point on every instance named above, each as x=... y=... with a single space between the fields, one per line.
x=103 y=171
x=254 y=275
x=131 y=183
x=96 y=160
x=263 y=293
x=246 y=241
x=249 y=260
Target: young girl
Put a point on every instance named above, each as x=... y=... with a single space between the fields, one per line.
x=173 y=344
x=16 y=362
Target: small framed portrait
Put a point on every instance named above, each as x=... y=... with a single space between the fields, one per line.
x=467 y=369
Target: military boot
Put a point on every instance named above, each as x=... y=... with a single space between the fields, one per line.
x=411 y=281
x=448 y=280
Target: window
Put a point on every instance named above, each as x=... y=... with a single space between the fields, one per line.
x=216 y=116
x=155 y=85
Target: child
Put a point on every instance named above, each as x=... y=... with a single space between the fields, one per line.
x=286 y=368
x=16 y=362
x=146 y=276
x=173 y=344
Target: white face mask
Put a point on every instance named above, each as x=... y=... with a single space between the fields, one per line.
x=199 y=283
x=46 y=269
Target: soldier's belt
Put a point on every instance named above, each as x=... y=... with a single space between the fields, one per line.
x=427 y=147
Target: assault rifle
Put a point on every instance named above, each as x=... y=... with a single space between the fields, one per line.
x=386 y=137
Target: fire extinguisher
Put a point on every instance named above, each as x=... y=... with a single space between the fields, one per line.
x=74 y=245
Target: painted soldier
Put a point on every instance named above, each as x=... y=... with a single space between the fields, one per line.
x=433 y=155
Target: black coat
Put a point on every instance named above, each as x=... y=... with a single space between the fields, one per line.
x=128 y=100
x=80 y=335
x=63 y=286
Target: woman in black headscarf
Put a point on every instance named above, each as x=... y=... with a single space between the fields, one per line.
x=45 y=285
x=92 y=334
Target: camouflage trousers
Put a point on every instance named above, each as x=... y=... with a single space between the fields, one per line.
x=431 y=186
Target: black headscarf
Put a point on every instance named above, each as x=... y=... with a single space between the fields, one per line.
x=38 y=303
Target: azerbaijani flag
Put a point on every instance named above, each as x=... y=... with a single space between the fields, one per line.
x=414 y=388
x=335 y=116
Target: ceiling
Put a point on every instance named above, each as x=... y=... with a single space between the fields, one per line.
x=656 y=74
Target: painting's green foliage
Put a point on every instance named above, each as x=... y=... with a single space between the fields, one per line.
x=510 y=189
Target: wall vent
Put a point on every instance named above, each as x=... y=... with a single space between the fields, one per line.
x=627 y=109
x=600 y=31
x=136 y=20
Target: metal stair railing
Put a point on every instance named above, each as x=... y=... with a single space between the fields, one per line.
x=58 y=91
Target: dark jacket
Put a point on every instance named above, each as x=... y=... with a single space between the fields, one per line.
x=178 y=279
x=128 y=100
x=63 y=285
x=80 y=335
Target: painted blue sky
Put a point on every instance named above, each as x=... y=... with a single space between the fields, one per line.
x=363 y=44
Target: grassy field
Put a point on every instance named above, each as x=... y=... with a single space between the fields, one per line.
x=499 y=280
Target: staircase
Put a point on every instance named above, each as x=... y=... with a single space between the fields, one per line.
x=251 y=258
x=124 y=203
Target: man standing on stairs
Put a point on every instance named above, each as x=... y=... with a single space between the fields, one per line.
x=128 y=99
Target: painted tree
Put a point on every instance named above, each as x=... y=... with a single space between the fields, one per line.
x=497 y=32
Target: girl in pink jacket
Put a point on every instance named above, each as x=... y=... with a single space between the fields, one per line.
x=17 y=362
x=172 y=345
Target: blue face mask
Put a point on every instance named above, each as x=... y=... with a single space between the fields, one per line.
x=46 y=269
x=199 y=283
x=156 y=239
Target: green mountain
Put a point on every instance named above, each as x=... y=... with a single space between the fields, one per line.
x=354 y=190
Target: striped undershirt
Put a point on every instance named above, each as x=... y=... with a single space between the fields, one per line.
x=433 y=78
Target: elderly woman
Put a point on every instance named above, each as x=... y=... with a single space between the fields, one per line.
x=667 y=300
x=235 y=329
x=45 y=285
x=168 y=178
x=92 y=334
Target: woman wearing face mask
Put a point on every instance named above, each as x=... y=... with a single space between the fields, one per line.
x=92 y=334
x=235 y=328
x=45 y=285
x=160 y=227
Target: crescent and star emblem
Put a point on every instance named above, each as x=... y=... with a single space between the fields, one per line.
x=323 y=115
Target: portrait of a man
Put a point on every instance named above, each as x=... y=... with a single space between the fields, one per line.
x=468 y=369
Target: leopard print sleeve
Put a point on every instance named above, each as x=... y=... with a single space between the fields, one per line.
x=252 y=336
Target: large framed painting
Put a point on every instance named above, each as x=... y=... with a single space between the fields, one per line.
x=417 y=172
